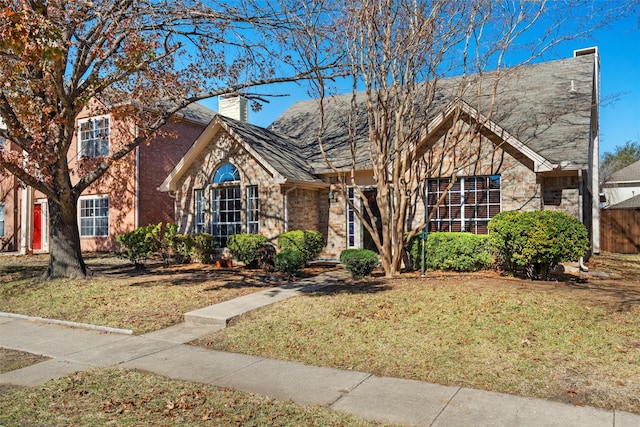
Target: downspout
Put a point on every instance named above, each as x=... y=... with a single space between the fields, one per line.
x=136 y=220
x=286 y=206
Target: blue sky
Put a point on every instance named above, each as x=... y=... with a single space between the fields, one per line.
x=619 y=49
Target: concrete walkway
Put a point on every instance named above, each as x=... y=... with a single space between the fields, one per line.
x=375 y=398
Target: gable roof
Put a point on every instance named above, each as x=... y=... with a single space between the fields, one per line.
x=274 y=152
x=546 y=107
x=627 y=174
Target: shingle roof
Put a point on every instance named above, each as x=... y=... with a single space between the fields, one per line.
x=626 y=174
x=197 y=113
x=632 y=203
x=279 y=151
x=546 y=106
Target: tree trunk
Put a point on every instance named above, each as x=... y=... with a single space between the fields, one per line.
x=64 y=246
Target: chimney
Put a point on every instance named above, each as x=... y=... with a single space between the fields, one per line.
x=234 y=107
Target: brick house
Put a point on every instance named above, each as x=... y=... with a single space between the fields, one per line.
x=537 y=149
x=124 y=198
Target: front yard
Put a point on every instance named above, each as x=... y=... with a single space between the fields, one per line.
x=576 y=341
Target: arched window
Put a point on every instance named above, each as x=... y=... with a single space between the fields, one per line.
x=226 y=204
x=226 y=173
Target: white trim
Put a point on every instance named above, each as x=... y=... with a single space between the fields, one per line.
x=541 y=164
x=79 y=134
x=79 y=210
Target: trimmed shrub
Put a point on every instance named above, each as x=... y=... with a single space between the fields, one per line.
x=204 y=248
x=309 y=242
x=538 y=240
x=245 y=247
x=289 y=262
x=359 y=262
x=452 y=251
x=139 y=244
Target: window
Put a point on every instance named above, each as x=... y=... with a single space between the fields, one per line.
x=198 y=197
x=226 y=204
x=467 y=206
x=351 y=219
x=253 y=209
x=1 y=219
x=94 y=137
x=226 y=213
x=94 y=216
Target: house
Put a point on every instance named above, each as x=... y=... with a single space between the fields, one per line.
x=622 y=185
x=124 y=198
x=536 y=149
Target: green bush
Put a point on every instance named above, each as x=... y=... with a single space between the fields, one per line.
x=536 y=241
x=359 y=262
x=204 y=248
x=452 y=251
x=309 y=242
x=245 y=247
x=289 y=262
x=182 y=246
x=139 y=244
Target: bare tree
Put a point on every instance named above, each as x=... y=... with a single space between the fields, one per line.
x=397 y=54
x=140 y=60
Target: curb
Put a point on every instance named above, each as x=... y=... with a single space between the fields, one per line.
x=67 y=323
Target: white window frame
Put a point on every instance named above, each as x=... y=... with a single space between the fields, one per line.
x=2 y=219
x=93 y=139
x=94 y=227
x=199 y=210
x=467 y=218
x=226 y=212
x=253 y=209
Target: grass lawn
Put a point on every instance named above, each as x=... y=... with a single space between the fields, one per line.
x=117 y=295
x=575 y=340
x=128 y=398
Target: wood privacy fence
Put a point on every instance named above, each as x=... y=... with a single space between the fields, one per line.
x=620 y=230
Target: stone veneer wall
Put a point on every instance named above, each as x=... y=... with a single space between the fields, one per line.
x=223 y=148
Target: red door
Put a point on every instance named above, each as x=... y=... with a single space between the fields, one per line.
x=37 y=227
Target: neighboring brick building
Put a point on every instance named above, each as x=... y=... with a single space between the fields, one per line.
x=125 y=197
x=537 y=149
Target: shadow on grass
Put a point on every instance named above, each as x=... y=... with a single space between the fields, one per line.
x=361 y=287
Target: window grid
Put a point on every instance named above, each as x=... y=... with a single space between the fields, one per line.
x=468 y=206
x=94 y=137
x=253 y=209
x=1 y=219
x=94 y=217
x=351 y=219
x=198 y=197
x=226 y=213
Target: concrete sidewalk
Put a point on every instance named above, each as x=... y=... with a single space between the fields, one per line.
x=375 y=398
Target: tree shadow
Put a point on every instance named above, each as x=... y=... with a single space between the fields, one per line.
x=348 y=287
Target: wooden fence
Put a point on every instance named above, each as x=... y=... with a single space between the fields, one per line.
x=620 y=230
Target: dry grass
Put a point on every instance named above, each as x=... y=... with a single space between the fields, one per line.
x=117 y=295
x=576 y=341
x=118 y=397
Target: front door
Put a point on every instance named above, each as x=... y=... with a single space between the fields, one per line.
x=367 y=240
x=37 y=227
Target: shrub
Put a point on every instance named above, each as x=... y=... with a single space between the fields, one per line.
x=245 y=247
x=182 y=246
x=204 y=248
x=537 y=240
x=309 y=242
x=289 y=262
x=452 y=251
x=359 y=262
x=139 y=244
